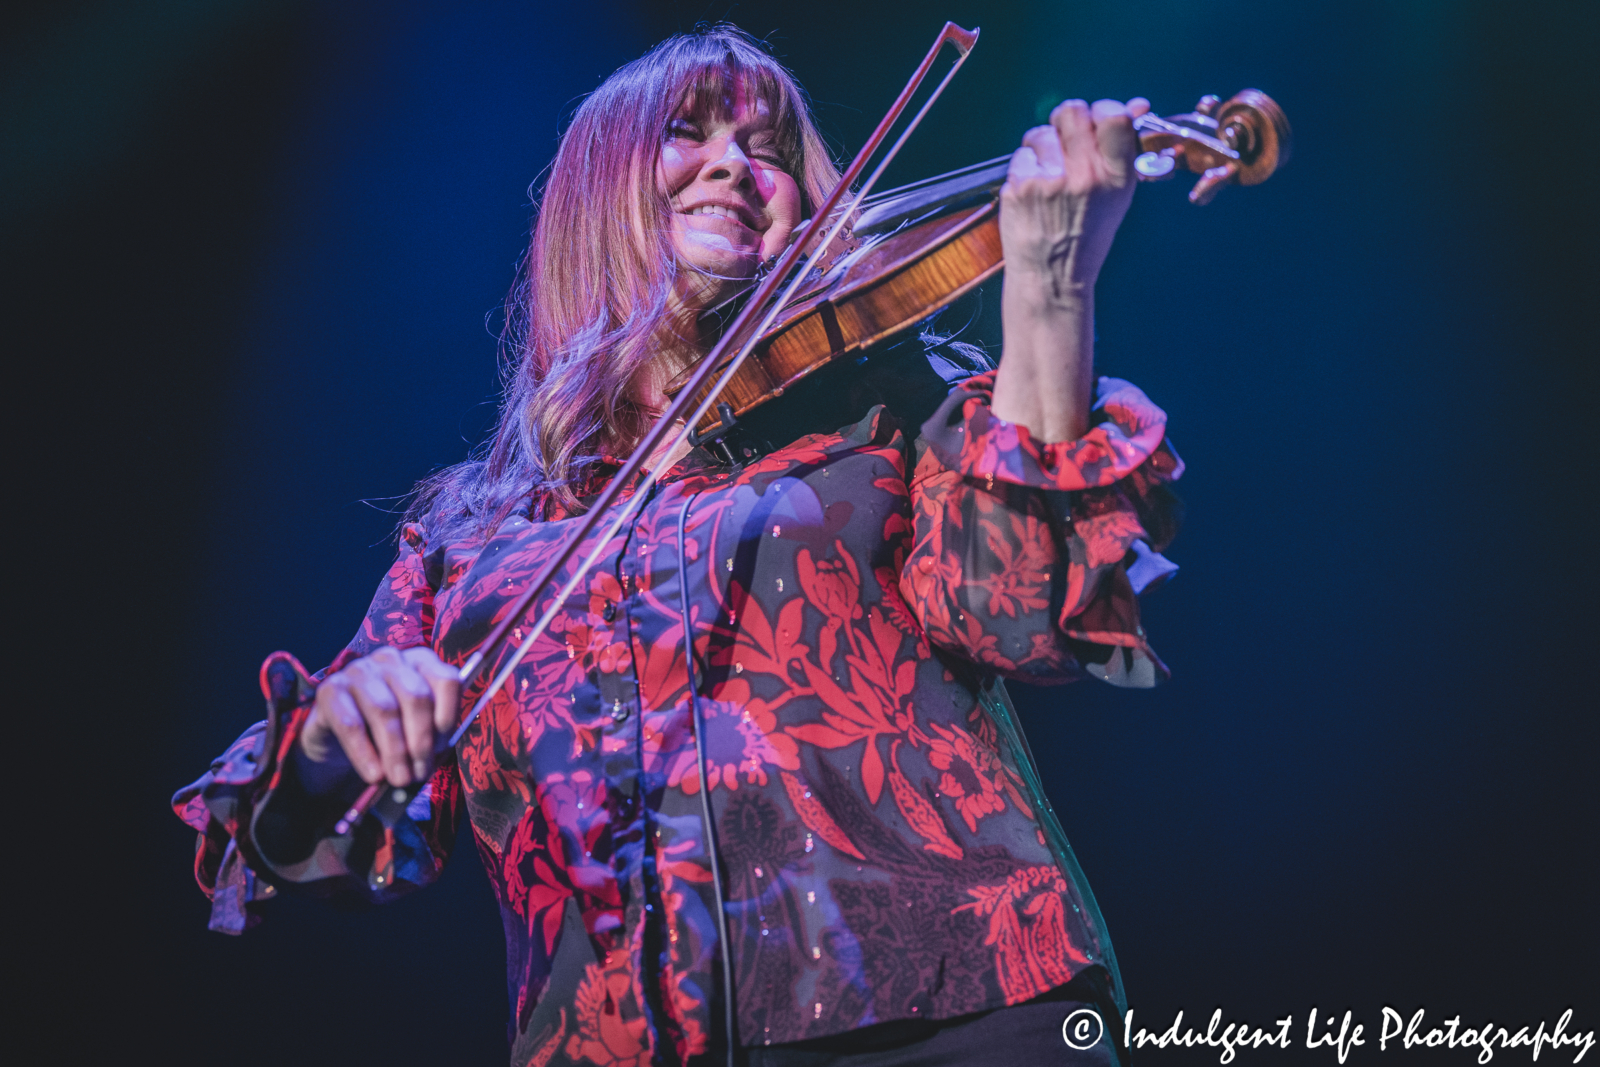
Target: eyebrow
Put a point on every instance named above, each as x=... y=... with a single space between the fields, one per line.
x=767 y=121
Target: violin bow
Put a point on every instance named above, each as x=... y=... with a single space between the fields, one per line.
x=762 y=305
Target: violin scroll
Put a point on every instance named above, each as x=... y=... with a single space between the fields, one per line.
x=1243 y=140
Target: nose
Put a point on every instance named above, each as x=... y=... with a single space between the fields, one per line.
x=731 y=165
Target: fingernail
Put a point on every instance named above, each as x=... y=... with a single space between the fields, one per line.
x=420 y=769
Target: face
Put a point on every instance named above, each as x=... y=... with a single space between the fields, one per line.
x=733 y=205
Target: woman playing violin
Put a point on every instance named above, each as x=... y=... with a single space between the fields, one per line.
x=881 y=878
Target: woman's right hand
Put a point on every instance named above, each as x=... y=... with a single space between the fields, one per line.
x=385 y=715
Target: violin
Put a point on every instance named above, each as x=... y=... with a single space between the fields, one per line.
x=910 y=252
x=871 y=268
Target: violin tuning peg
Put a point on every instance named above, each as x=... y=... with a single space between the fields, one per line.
x=1208 y=104
x=1156 y=166
x=1211 y=183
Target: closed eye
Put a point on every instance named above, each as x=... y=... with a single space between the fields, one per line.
x=685 y=128
x=767 y=152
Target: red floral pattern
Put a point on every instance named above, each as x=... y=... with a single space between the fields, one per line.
x=1027 y=927
x=607 y=1035
x=845 y=615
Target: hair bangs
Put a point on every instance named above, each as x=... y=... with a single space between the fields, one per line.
x=712 y=88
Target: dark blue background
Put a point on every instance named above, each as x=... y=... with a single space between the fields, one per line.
x=254 y=252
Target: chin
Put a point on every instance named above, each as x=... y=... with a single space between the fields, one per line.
x=716 y=255
x=726 y=265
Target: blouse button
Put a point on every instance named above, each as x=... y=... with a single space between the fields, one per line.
x=609 y=612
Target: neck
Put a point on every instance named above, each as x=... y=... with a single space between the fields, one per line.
x=682 y=343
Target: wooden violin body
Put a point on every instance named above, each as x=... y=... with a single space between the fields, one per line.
x=914 y=252
x=894 y=284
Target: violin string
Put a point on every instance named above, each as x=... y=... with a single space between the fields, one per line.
x=911 y=187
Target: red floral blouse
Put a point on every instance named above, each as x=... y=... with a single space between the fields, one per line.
x=886 y=851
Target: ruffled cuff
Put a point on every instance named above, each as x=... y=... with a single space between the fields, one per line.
x=993 y=502
x=216 y=805
x=260 y=830
x=1129 y=434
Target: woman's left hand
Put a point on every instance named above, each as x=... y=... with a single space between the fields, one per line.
x=1069 y=186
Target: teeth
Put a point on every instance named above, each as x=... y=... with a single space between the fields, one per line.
x=716 y=209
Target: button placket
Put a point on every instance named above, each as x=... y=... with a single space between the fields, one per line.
x=624 y=697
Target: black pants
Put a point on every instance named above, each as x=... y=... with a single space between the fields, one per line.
x=1024 y=1035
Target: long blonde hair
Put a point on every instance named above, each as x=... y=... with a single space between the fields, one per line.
x=593 y=303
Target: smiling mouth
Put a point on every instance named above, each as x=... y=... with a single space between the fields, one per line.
x=719 y=211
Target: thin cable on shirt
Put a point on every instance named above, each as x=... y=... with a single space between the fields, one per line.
x=705 y=784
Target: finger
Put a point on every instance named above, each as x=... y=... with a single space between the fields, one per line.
x=1113 y=131
x=445 y=681
x=1101 y=110
x=415 y=696
x=1075 y=127
x=1046 y=145
x=1138 y=106
x=1073 y=124
x=339 y=713
x=1024 y=165
x=381 y=709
